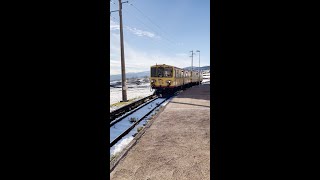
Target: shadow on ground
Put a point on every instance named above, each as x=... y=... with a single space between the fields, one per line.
x=196 y=92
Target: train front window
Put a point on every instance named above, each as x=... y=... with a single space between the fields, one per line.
x=153 y=72
x=161 y=72
x=168 y=72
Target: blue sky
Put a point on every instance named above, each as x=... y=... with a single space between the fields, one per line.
x=162 y=32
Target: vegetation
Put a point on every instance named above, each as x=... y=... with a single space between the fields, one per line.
x=133 y=119
x=139 y=128
x=114 y=156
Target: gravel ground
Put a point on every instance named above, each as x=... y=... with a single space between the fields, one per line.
x=177 y=145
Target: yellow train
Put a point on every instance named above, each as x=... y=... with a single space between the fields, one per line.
x=166 y=79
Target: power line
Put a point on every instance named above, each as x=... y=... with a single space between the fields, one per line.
x=150 y=28
x=115 y=19
x=156 y=43
x=151 y=20
x=152 y=23
x=159 y=44
x=163 y=44
x=161 y=34
x=155 y=25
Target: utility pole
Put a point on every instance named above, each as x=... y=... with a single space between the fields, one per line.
x=191 y=59
x=123 y=70
x=199 y=65
x=191 y=62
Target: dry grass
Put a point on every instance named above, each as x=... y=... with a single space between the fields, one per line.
x=139 y=128
x=114 y=156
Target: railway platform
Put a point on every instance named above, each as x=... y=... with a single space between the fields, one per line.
x=176 y=145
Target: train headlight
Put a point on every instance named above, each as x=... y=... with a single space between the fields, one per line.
x=153 y=81
x=169 y=82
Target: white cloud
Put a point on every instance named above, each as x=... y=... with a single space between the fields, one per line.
x=182 y=54
x=139 y=32
x=137 y=60
x=114 y=26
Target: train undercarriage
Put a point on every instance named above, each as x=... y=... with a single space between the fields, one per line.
x=165 y=91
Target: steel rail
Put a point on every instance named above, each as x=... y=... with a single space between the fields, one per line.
x=118 y=112
x=132 y=126
x=136 y=109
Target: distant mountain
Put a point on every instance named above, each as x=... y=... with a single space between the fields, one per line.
x=203 y=68
x=130 y=75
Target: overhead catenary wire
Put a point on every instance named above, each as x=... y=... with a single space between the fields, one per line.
x=114 y=19
x=162 y=44
x=172 y=44
x=151 y=20
x=151 y=29
x=127 y=28
x=167 y=41
x=154 y=24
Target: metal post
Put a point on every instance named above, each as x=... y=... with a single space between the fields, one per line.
x=199 y=65
x=191 y=63
x=123 y=70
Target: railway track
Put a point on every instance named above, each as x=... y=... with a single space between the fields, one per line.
x=124 y=124
x=131 y=112
x=127 y=108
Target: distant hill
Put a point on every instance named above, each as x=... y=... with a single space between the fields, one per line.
x=203 y=68
x=130 y=75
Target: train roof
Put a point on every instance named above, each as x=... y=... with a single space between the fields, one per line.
x=161 y=65
x=169 y=66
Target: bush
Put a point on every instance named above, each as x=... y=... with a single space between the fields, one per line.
x=133 y=119
x=139 y=128
x=113 y=156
